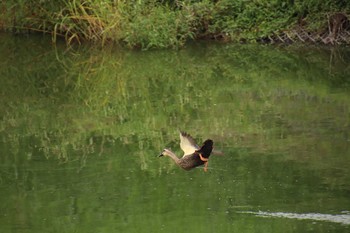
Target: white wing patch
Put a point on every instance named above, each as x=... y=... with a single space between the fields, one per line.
x=187 y=144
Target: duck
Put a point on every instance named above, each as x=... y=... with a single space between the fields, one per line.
x=194 y=155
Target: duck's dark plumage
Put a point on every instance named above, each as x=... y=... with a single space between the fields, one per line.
x=206 y=149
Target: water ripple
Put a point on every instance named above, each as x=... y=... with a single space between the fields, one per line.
x=343 y=218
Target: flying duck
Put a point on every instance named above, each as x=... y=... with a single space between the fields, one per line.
x=193 y=154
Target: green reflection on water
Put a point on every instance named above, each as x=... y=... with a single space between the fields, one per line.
x=80 y=131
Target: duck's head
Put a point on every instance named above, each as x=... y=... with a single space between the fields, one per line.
x=164 y=152
x=206 y=148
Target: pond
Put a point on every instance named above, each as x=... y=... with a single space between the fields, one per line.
x=81 y=130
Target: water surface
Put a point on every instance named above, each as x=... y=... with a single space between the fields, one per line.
x=81 y=128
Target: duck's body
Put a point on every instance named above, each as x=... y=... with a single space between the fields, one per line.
x=194 y=155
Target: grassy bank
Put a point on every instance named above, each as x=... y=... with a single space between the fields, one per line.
x=170 y=23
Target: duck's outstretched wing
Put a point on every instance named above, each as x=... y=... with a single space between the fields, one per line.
x=187 y=144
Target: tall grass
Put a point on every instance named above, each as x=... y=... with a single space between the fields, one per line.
x=166 y=23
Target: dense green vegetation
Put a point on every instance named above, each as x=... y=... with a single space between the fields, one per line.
x=170 y=23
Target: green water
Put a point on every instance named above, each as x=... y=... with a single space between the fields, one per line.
x=80 y=131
